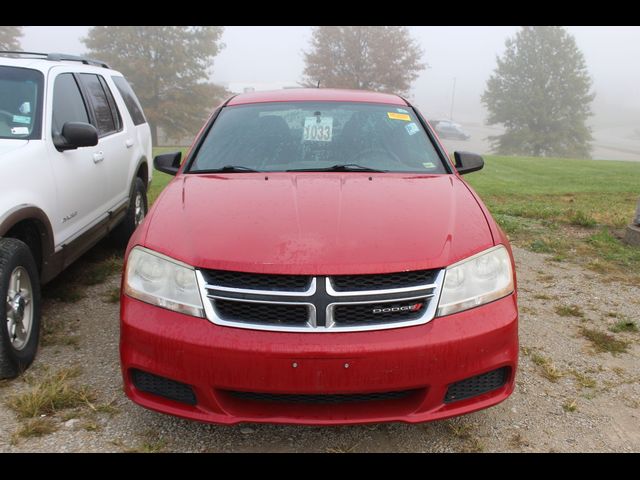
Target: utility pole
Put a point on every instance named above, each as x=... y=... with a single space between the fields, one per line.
x=453 y=97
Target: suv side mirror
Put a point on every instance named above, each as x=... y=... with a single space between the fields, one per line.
x=467 y=162
x=75 y=135
x=168 y=162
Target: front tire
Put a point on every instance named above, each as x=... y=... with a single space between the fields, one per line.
x=19 y=308
x=136 y=213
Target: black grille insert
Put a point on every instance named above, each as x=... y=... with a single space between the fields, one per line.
x=473 y=386
x=322 y=398
x=268 y=313
x=372 y=313
x=164 y=387
x=358 y=283
x=258 y=281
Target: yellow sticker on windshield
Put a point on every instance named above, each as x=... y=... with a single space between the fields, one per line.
x=399 y=116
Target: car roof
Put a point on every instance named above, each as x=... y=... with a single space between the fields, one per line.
x=317 y=95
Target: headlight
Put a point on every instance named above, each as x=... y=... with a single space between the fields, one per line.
x=159 y=280
x=476 y=280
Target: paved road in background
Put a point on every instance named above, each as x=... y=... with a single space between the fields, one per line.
x=609 y=144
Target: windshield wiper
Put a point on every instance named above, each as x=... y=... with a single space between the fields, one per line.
x=347 y=167
x=228 y=169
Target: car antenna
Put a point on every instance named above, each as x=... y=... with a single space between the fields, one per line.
x=318 y=85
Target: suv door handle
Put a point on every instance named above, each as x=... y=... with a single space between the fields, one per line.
x=98 y=157
x=129 y=143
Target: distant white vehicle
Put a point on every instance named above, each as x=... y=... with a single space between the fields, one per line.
x=75 y=153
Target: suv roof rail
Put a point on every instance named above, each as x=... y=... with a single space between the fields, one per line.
x=57 y=57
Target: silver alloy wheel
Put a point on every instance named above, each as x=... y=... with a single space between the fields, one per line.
x=19 y=308
x=139 y=209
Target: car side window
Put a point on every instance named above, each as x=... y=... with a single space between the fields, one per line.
x=68 y=105
x=105 y=120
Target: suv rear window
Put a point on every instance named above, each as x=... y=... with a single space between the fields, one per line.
x=20 y=103
x=130 y=100
x=106 y=119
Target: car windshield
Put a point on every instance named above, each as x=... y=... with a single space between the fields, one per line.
x=301 y=136
x=20 y=103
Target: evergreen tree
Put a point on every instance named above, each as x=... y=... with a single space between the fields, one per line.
x=540 y=92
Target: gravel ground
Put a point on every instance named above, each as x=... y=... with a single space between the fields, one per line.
x=593 y=405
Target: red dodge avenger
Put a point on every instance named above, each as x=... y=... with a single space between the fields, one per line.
x=318 y=259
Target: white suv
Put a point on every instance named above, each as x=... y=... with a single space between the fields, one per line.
x=75 y=153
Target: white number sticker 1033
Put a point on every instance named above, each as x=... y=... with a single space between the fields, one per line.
x=318 y=129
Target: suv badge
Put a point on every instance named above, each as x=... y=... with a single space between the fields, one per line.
x=69 y=217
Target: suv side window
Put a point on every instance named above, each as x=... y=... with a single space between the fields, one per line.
x=68 y=105
x=130 y=100
x=105 y=119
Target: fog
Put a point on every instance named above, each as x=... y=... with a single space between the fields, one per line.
x=271 y=56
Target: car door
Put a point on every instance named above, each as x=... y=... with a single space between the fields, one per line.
x=113 y=141
x=79 y=174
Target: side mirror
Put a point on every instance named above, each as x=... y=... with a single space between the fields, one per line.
x=468 y=162
x=75 y=135
x=168 y=162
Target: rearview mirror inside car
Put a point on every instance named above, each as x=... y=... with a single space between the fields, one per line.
x=168 y=162
x=467 y=162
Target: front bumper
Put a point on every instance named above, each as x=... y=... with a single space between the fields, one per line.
x=215 y=360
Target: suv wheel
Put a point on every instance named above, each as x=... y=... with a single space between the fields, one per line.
x=19 y=307
x=135 y=214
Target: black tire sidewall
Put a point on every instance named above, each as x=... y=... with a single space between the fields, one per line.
x=123 y=232
x=13 y=254
x=138 y=188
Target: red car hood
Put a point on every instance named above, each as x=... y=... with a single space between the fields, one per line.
x=317 y=223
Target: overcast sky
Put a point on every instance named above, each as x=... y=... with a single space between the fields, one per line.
x=274 y=54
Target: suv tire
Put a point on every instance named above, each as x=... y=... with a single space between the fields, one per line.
x=135 y=214
x=19 y=307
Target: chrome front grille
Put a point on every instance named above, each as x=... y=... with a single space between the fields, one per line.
x=382 y=281
x=299 y=303
x=259 y=281
x=264 y=313
x=344 y=314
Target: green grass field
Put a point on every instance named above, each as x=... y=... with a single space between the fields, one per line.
x=575 y=210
